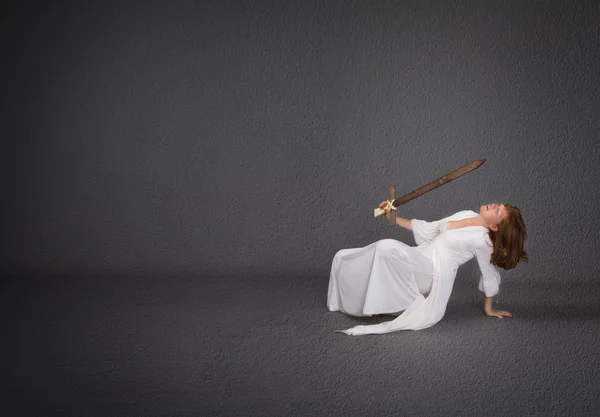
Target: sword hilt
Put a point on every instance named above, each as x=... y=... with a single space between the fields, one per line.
x=391 y=216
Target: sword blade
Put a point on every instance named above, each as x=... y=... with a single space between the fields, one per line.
x=445 y=179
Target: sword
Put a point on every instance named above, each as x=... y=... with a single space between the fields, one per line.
x=445 y=179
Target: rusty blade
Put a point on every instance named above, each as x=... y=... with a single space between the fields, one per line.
x=445 y=179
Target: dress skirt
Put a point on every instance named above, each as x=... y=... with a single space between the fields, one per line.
x=384 y=277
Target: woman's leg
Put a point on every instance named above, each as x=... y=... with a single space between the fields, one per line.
x=422 y=268
x=349 y=279
x=392 y=285
x=376 y=279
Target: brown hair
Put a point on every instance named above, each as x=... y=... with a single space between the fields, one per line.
x=509 y=240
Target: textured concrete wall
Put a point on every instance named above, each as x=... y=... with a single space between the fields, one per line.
x=259 y=136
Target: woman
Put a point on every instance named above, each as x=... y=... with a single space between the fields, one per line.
x=389 y=277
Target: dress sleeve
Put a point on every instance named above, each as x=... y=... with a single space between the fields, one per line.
x=424 y=231
x=489 y=282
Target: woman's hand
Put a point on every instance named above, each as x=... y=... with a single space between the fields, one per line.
x=497 y=313
x=385 y=206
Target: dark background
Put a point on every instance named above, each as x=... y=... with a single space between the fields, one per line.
x=162 y=144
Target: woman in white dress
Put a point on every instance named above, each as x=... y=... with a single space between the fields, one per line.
x=390 y=277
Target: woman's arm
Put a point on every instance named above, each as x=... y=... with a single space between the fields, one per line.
x=489 y=281
x=402 y=222
x=489 y=310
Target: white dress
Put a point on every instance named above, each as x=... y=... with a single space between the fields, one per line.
x=389 y=277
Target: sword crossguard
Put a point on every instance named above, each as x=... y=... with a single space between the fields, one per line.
x=391 y=216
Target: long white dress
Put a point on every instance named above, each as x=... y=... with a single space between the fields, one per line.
x=389 y=277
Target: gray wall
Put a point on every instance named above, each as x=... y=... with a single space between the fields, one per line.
x=258 y=136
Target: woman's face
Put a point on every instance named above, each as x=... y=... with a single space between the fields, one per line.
x=493 y=214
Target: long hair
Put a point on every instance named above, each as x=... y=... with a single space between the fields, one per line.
x=509 y=240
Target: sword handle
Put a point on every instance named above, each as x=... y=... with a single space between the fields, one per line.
x=391 y=216
x=378 y=212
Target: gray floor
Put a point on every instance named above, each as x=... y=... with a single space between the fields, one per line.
x=265 y=345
